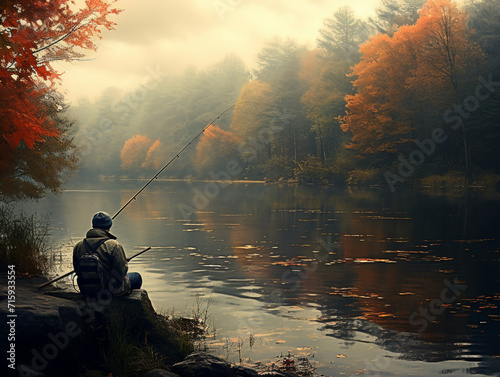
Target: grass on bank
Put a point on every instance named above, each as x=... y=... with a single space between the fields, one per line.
x=128 y=351
x=24 y=242
x=124 y=354
x=457 y=179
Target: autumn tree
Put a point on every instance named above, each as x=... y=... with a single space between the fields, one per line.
x=34 y=35
x=30 y=172
x=177 y=107
x=134 y=152
x=450 y=60
x=377 y=116
x=154 y=158
x=407 y=81
x=215 y=150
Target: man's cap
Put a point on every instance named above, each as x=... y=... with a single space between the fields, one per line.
x=102 y=220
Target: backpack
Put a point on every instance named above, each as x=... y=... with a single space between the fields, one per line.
x=90 y=270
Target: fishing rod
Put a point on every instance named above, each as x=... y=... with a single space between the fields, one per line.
x=177 y=155
x=69 y=273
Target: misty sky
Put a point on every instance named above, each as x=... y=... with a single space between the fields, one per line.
x=167 y=36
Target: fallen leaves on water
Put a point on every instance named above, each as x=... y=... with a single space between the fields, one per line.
x=450 y=271
x=371 y=260
x=295 y=261
x=304 y=348
x=246 y=247
x=383 y=315
x=405 y=252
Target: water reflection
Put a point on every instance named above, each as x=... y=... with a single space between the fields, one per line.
x=396 y=255
x=360 y=267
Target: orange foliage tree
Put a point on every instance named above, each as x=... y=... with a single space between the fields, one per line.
x=376 y=116
x=33 y=35
x=405 y=82
x=154 y=157
x=134 y=152
x=215 y=149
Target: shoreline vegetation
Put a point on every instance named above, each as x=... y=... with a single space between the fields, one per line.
x=24 y=242
x=358 y=178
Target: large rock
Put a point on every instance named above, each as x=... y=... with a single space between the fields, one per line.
x=202 y=364
x=239 y=371
x=46 y=328
x=56 y=331
x=160 y=373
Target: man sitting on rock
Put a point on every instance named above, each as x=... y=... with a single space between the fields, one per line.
x=100 y=263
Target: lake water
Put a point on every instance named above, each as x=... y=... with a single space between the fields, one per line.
x=361 y=281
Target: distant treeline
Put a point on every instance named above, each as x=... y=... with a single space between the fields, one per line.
x=409 y=95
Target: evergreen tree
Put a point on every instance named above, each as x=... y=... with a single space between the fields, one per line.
x=395 y=13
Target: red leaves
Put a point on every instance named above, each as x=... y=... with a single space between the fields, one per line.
x=20 y=118
x=35 y=33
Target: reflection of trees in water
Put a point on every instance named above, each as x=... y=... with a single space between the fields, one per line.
x=450 y=337
x=272 y=231
x=410 y=346
x=421 y=237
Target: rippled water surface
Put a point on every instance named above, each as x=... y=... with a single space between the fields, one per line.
x=361 y=281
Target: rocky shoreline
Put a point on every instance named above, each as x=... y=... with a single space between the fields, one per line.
x=53 y=332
